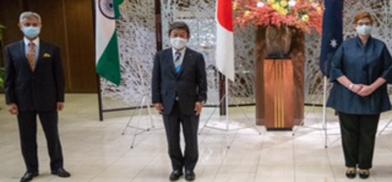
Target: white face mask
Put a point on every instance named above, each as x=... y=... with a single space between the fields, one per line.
x=364 y=29
x=178 y=42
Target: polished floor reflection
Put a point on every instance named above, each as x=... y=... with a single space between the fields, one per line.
x=96 y=151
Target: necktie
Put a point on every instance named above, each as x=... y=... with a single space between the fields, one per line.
x=177 y=62
x=31 y=55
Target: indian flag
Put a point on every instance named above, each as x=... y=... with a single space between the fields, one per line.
x=225 y=38
x=107 y=51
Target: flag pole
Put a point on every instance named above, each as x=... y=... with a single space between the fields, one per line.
x=325 y=112
x=227 y=113
x=227 y=102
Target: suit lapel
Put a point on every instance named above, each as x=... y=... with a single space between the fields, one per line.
x=170 y=59
x=40 y=53
x=22 y=52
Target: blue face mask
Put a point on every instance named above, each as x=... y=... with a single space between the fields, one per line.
x=364 y=30
x=31 y=32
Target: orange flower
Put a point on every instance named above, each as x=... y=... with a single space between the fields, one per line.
x=304 y=15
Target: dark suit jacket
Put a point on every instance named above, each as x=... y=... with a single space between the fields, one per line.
x=188 y=87
x=34 y=91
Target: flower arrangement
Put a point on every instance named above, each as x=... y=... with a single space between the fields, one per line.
x=303 y=15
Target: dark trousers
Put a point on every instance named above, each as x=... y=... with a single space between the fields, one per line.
x=358 y=139
x=28 y=136
x=190 y=125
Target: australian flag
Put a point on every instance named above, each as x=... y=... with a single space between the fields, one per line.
x=332 y=32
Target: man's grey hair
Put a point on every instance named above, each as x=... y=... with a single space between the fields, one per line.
x=28 y=15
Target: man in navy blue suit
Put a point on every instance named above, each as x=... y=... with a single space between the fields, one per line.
x=179 y=90
x=34 y=85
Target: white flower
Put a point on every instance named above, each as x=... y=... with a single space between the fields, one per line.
x=292 y=3
x=260 y=4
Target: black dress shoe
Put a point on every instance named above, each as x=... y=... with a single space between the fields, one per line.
x=28 y=176
x=175 y=175
x=364 y=173
x=190 y=176
x=351 y=173
x=61 y=172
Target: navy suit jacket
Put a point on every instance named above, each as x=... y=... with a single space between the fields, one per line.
x=187 y=87
x=34 y=91
x=362 y=65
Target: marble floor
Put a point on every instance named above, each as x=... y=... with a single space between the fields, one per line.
x=96 y=151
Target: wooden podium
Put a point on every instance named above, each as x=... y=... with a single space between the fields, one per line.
x=280 y=84
x=279 y=94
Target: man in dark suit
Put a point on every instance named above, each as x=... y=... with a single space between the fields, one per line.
x=179 y=90
x=34 y=86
